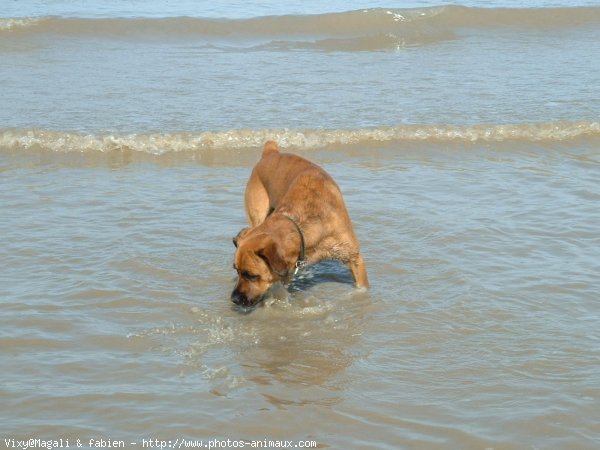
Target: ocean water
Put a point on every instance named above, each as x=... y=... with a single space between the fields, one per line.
x=466 y=141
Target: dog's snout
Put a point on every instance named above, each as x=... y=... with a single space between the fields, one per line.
x=241 y=300
x=237 y=297
x=244 y=301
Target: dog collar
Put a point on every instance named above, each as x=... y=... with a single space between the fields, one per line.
x=301 y=262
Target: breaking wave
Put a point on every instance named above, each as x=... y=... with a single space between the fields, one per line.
x=374 y=28
x=35 y=140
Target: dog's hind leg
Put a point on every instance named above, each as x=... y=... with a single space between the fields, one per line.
x=359 y=272
x=256 y=201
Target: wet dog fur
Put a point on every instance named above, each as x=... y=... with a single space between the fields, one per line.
x=289 y=200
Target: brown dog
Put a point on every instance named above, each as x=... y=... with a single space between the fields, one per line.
x=297 y=216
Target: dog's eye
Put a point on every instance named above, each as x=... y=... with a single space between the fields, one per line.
x=249 y=277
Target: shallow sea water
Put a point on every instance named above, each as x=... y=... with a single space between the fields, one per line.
x=480 y=330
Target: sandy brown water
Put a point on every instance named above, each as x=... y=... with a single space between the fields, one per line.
x=480 y=329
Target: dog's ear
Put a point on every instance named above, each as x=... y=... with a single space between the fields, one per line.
x=240 y=235
x=272 y=256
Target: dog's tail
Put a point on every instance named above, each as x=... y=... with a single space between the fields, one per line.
x=270 y=147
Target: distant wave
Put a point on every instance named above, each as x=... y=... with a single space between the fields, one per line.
x=375 y=28
x=19 y=140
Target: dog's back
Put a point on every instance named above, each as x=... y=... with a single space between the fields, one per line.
x=286 y=177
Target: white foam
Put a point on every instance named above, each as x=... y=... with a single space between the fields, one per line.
x=234 y=140
x=15 y=23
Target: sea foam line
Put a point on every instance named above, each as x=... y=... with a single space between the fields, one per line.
x=15 y=140
x=10 y=24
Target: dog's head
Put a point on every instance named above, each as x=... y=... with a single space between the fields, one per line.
x=259 y=262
